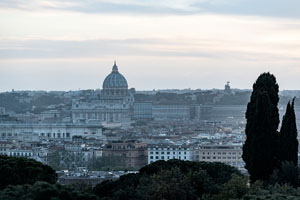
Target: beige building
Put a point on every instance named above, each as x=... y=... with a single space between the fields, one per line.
x=225 y=153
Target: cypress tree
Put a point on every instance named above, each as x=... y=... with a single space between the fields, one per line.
x=259 y=150
x=288 y=136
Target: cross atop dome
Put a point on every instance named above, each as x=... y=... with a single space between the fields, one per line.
x=115 y=67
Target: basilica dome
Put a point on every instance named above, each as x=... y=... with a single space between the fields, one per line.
x=115 y=79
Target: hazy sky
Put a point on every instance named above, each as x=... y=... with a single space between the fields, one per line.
x=71 y=44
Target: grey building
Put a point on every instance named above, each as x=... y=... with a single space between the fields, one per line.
x=142 y=110
x=114 y=105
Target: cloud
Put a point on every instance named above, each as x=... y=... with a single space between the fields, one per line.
x=273 y=8
x=209 y=49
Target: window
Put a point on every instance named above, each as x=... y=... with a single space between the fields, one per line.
x=156 y=152
x=163 y=157
x=162 y=152
x=168 y=153
x=156 y=157
x=151 y=157
x=151 y=152
x=203 y=157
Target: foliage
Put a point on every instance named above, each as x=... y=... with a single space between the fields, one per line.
x=271 y=192
x=45 y=191
x=239 y=98
x=23 y=102
x=287 y=174
x=54 y=160
x=288 y=136
x=259 y=150
x=106 y=163
x=235 y=188
x=63 y=159
x=173 y=179
x=17 y=171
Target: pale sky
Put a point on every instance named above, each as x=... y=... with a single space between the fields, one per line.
x=71 y=44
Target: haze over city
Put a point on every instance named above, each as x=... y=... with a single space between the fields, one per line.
x=67 y=45
x=149 y=100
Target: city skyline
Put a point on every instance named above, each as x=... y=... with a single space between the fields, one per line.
x=67 y=45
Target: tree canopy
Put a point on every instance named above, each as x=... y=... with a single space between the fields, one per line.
x=18 y=171
x=45 y=191
x=173 y=179
x=259 y=150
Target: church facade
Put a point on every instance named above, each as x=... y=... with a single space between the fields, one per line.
x=113 y=107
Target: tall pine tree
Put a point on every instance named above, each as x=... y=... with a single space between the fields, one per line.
x=288 y=150
x=259 y=150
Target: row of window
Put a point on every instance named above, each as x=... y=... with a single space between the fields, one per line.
x=23 y=154
x=8 y=134
x=219 y=157
x=223 y=153
x=103 y=116
x=58 y=135
x=168 y=157
x=168 y=148
x=168 y=152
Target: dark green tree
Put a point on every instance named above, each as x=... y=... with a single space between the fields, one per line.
x=288 y=136
x=45 y=191
x=18 y=171
x=259 y=150
x=174 y=179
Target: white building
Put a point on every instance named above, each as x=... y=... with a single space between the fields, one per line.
x=168 y=152
x=38 y=131
x=23 y=152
